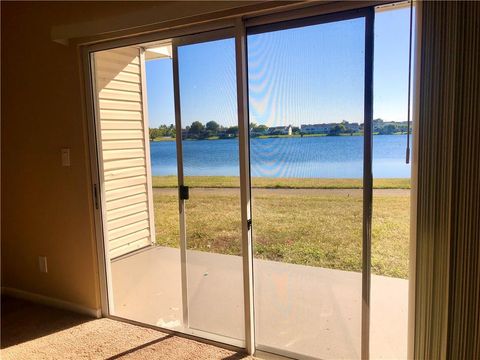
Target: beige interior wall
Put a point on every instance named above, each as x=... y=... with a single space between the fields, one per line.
x=46 y=208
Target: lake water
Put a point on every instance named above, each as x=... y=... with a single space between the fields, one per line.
x=308 y=157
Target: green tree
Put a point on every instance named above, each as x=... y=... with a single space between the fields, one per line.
x=162 y=129
x=212 y=126
x=233 y=130
x=261 y=128
x=154 y=133
x=170 y=131
x=197 y=127
x=337 y=130
x=388 y=129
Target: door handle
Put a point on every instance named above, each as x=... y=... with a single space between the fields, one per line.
x=183 y=192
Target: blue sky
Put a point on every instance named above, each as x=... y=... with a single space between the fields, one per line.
x=305 y=75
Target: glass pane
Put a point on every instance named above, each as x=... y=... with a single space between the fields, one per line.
x=145 y=275
x=211 y=169
x=306 y=95
x=391 y=195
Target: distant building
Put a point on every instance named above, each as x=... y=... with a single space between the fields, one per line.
x=258 y=132
x=316 y=128
x=280 y=130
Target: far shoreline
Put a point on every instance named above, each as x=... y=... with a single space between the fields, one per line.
x=263 y=137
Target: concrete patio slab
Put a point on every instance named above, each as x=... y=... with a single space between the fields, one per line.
x=300 y=309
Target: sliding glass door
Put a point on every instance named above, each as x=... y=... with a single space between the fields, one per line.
x=210 y=186
x=307 y=94
x=285 y=269
x=136 y=187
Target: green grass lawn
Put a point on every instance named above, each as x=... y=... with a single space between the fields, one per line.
x=309 y=227
x=277 y=183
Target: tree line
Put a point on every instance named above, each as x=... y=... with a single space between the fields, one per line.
x=198 y=130
x=212 y=129
x=162 y=131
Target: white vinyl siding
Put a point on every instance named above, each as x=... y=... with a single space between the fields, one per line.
x=122 y=130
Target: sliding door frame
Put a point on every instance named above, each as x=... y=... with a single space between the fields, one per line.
x=95 y=166
x=367 y=182
x=245 y=184
x=180 y=177
x=270 y=24
x=221 y=34
x=238 y=28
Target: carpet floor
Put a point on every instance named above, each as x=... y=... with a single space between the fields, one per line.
x=32 y=331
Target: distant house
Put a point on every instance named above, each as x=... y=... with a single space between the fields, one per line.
x=258 y=132
x=317 y=128
x=280 y=130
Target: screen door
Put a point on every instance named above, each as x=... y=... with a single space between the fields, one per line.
x=210 y=186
